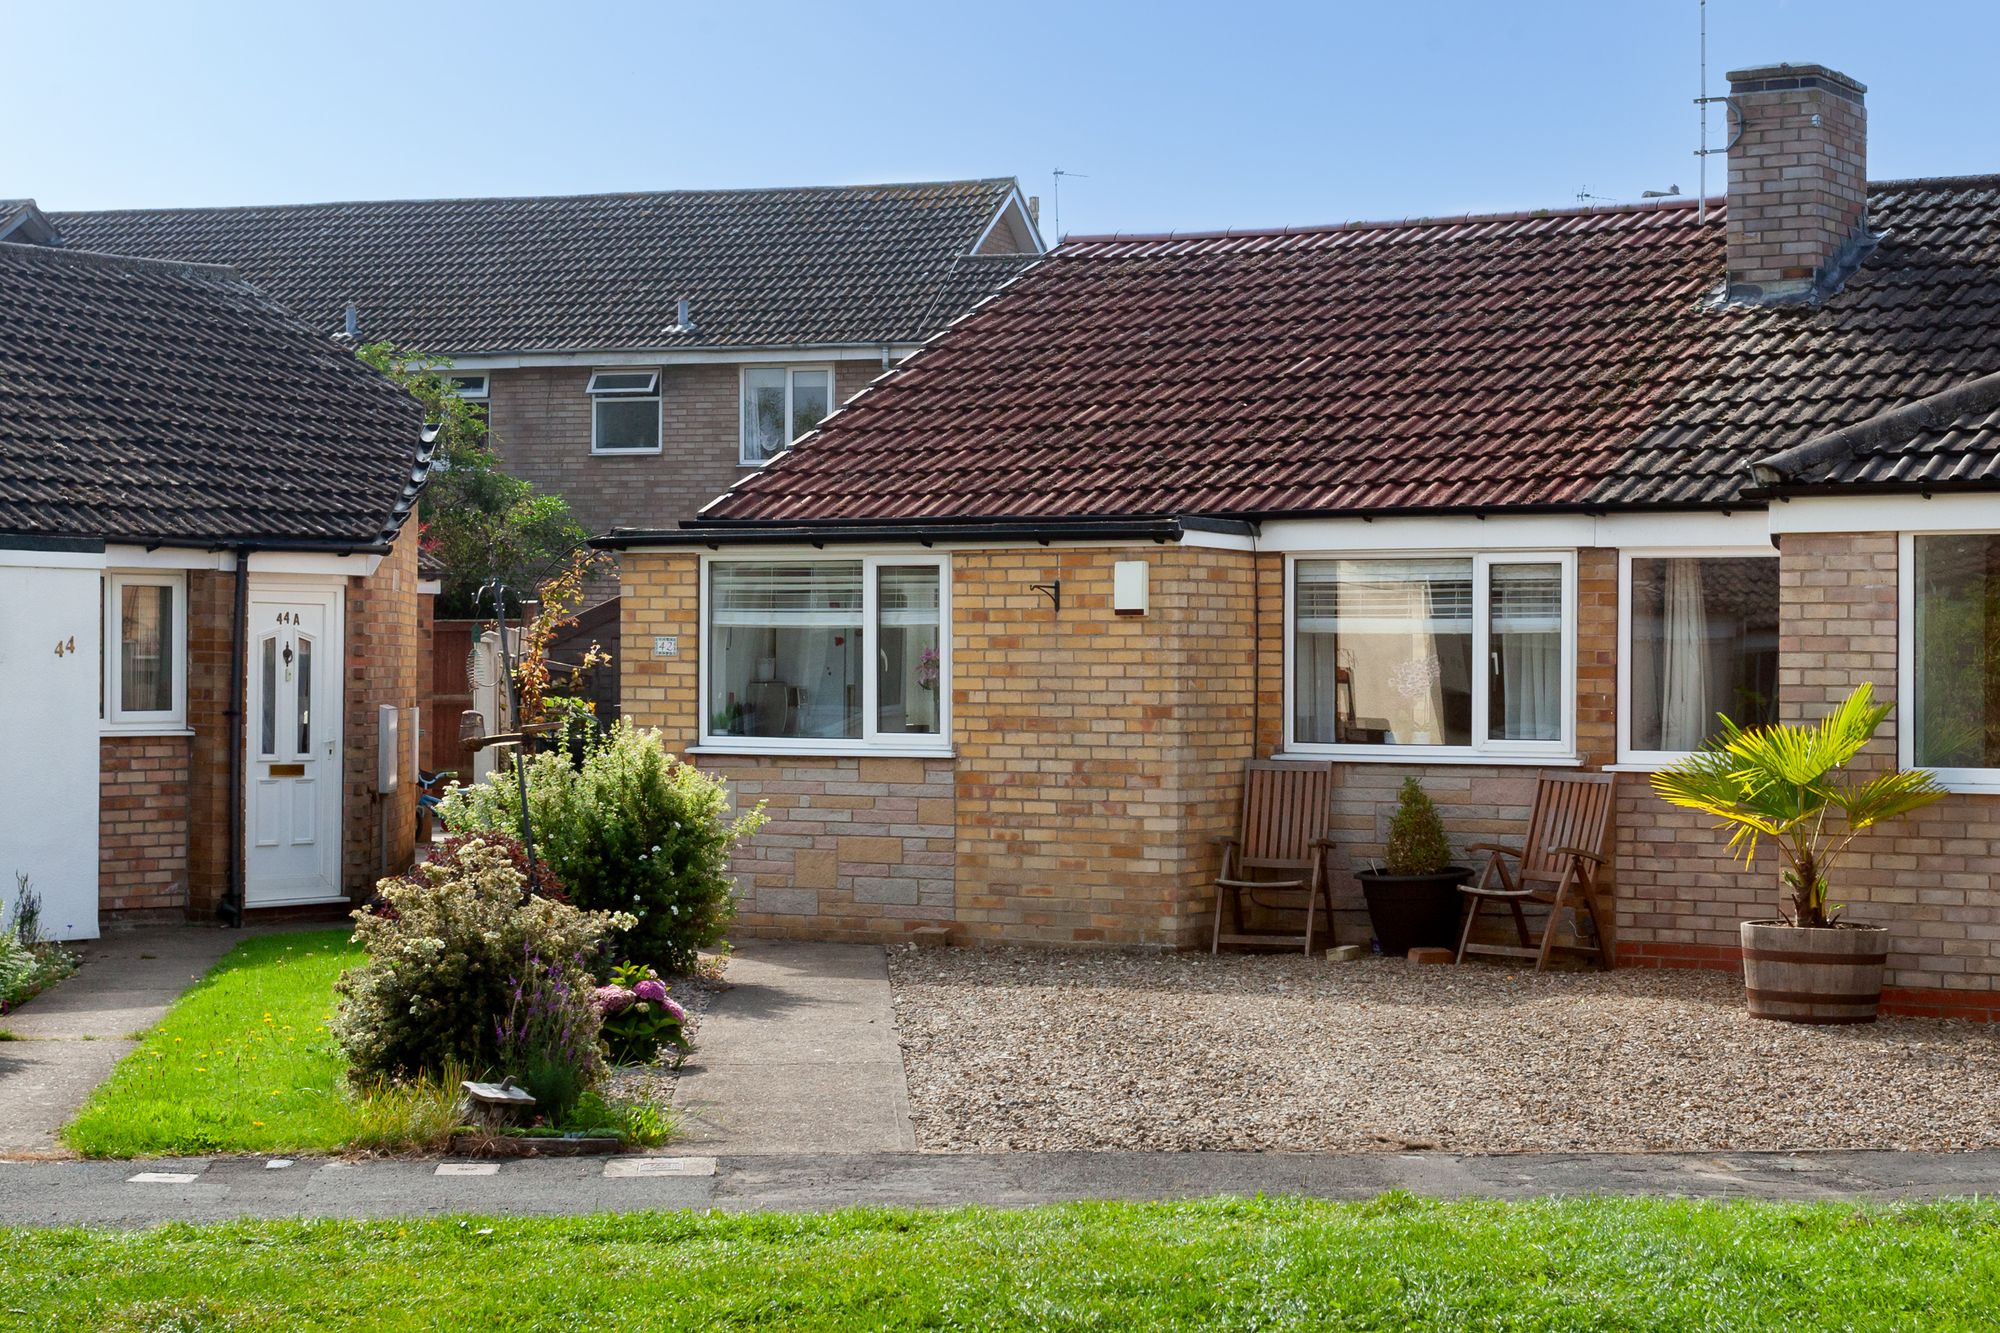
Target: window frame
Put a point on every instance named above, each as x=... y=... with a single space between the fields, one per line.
x=1977 y=781
x=872 y=740
x=118 y=718
x=653 y=393
x=479 y=395
x=792 y=370
x=1648 y=760
x=1484 y=749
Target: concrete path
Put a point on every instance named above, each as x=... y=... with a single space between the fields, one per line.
x=143 y=1193
x=73 y=1034
x=798 y=1056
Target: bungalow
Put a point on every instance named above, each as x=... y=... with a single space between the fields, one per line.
x=210 y=593
x=1461 y=498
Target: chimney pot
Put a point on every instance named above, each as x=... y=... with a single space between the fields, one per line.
x=1794 y=232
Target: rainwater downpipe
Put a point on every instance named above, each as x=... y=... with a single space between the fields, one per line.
x=231 y=907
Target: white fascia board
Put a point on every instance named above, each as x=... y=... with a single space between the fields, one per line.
x=11 y=558
x=1506 y=532
x=1955 y=512
x=640 y=356
x=320 y=563
x=1016 y=204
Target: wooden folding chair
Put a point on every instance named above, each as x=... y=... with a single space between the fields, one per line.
x=1287 y=808
x=1569 y=832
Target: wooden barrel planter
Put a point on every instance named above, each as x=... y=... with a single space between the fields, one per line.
x=1801 y=975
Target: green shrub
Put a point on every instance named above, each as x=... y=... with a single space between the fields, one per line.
x=629 y=829
x=446 y=950
x=1417 y=845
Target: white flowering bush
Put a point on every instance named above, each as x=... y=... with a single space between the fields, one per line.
x=451 y=948
x=629 y=829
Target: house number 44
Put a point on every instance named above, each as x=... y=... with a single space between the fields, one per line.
x=64 y=647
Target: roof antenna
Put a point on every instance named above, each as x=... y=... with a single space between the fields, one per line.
x=1703 y=153
x=1055 y=198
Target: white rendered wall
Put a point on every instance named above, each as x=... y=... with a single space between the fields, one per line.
x=48 y=778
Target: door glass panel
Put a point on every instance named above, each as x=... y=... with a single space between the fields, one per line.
x=267 y=727
x=1526 y=625
x=305 y=694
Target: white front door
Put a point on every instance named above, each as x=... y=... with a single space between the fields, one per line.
x=292 y=731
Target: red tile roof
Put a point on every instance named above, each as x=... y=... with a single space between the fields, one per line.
x=1573 y=360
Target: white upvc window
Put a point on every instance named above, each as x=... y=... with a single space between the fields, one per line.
x=145 y=651
x=1949 y=657
x=826 y=655
x=1697 y=639
x=781 y=403
x=470 y=385
x=1447 y=656
x=625 y=412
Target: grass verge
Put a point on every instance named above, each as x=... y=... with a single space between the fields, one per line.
x=243 y=1063
x=1394 y=1263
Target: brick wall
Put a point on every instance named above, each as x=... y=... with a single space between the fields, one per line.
x=1930 y=878
x=540 y=421
x=382 y=666
x=142 y=847
x=210 y=610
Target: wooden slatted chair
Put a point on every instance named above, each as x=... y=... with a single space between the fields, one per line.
x=1569 y=832
x=1281 y=849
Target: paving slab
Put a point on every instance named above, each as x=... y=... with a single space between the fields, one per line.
x=799 y=1055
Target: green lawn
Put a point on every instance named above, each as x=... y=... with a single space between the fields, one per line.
x=1266 y=1264
x=241 y=1063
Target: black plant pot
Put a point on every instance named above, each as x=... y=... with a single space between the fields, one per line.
x=1415 y=911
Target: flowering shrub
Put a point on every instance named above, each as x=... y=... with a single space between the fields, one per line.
x=629 y=829
x=29 y=964
x=638 y=1017
x=548 y=1036
x=445 y=956
x=444 y=856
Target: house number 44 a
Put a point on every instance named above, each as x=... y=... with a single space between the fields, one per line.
x=64 y=647
x=288 y=617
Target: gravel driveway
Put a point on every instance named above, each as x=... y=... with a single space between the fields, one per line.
x=1039 y=1049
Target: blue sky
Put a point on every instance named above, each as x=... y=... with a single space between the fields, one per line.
x=1173 y=115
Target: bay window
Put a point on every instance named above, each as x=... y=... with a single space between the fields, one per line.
x=779 y=405
x=145 y=633
x=826 y=654
x=1951 y=657
x=1433 y=655
x=1701 y=642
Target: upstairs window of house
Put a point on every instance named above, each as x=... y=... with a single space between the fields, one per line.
x=1701 y=644
x=1433 y=656
x=1952 y=656
x=779 y=405
x=826 y=654
x=624 y=412
x=471 y=387
x=145 y=627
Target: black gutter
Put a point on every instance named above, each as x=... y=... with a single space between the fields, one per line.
x=294 y=545
x=1074 y=530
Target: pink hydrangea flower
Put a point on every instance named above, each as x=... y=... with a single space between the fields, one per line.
x=652 y=990
x=612 y=999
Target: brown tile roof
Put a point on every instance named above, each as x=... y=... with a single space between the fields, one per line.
x=144 y=400
x=858 y=264
x=1574 y=360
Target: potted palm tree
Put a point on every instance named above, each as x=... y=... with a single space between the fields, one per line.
x=1413 y=900
x=1786 y=783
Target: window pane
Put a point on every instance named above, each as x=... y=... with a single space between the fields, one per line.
x=764 y=433
x=469 y=386
x=627 y=423
x=785 y=654
x=305 y=694
x=1704 y=642
x=1525 y=620
x=906 y=695
x=267 y=727
x=145 y=648
x=1383 y=652
x=622 y=381
x=811 y=400
x=1957 y=651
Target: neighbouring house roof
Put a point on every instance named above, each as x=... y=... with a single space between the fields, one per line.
x=1941 y=440
x=1570 y=360
x=143 y=400
x=859 y=264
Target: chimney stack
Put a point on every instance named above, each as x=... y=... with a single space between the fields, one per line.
x=1798 y=182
